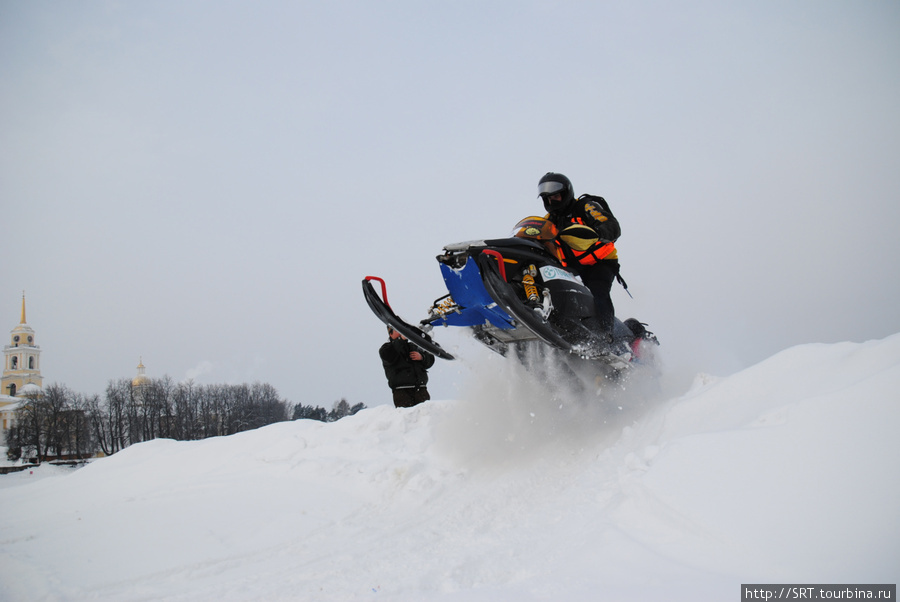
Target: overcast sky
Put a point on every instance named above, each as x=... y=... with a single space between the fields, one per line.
x=205 y=184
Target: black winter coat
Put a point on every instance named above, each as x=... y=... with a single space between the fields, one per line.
x=592 y=211
x=399 y=369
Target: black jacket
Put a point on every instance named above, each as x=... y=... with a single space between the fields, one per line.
x=592 y=211
x=399 y=369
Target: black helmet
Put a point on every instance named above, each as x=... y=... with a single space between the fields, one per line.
x=551 y=184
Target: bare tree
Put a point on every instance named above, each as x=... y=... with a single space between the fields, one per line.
x=81 y=443
x=31 y=426
x=52 y=423
x=340 y=410
x=160 y=395
x=63 y=422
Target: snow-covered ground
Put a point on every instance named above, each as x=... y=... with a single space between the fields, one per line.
x=787 y=472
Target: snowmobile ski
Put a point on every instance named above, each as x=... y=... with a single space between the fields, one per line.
x=383 y=311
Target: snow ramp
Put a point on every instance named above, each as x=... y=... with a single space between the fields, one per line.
x=785 y=472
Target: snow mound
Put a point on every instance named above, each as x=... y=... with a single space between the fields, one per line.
x=785 y=472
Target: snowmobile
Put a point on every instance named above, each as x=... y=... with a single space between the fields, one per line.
x=514 y=293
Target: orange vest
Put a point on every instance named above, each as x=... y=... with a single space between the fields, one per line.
x=592 y=256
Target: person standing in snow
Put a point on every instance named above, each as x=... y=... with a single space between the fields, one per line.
x=589 y=253
x=406 y=368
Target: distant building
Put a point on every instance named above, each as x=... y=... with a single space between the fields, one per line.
x=140 y=383
x=21 y=372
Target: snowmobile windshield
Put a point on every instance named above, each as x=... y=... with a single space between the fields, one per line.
x=549 y=188
x=535 y=228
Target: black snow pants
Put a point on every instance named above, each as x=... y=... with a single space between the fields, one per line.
x=599 y=279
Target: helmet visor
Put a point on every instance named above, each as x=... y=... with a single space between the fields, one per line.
x=549 y=188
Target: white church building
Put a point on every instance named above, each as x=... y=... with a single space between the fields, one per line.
x=21 y=372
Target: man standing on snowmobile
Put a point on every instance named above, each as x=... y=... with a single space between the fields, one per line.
x=590 y=253
x=406 y=368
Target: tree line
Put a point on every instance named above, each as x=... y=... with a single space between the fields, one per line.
x=60 y=423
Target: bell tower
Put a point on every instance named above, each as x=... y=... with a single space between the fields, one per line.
x=21 y=360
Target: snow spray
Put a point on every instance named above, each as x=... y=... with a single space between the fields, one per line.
x=516 y=408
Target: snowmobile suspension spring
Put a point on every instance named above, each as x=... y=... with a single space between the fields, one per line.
x=530 y=289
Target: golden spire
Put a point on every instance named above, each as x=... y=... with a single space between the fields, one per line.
x=23 y=308
x=141 y=378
